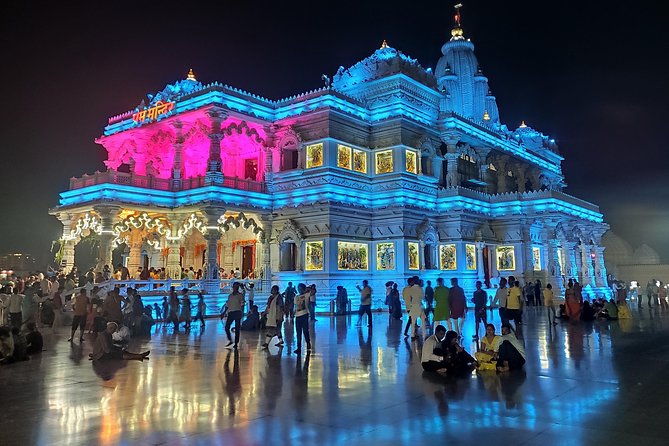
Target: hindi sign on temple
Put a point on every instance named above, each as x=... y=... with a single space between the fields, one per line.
x=151 y=114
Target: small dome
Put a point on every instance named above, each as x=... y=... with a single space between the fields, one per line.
x=645 y=255
x=618 y=251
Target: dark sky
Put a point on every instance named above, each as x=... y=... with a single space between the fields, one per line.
x=593 y=75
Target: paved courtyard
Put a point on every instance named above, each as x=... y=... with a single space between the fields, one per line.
x=583 y=384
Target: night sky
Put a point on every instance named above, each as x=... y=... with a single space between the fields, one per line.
x=592 y=75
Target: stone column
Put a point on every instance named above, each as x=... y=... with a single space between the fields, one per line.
x=521 y=178
x=480 y=270
x=528 y=259
x=108 y=217
x=452 y=169
x=177 y=168
x=554 y=258
x=421 y=255
x=67 y=261
x=298 y=256
x=173 y=268
x=135 y=256
x=573 y=260
x=212 y=283
x=438 y=167
x=601 y=272
x=589 y=269
x=214 y=174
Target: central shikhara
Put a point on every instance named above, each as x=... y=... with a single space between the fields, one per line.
x=388 y=171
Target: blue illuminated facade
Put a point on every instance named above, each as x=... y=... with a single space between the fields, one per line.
x=388 y=171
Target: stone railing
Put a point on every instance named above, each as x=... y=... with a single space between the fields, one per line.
x=151 y=182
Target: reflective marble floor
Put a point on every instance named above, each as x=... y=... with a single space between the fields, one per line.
x=584 y=384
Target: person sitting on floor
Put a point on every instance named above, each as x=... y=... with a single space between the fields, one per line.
x=587 y=312
x=6 y=346
x=624 y=310
x=610 y=311
x=34 y=340
x=511 y=353
x=432 y=355
x=252 y=321
x=458 y=361
x=104 y=347
x=562 y=313
x=487 y=353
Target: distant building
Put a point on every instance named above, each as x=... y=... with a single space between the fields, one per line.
x=642 y=264
x=17 y=263
x=389 y=170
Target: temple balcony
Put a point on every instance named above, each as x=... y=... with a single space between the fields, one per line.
x=170 y=185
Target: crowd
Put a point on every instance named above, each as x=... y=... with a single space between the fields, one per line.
x=112 y=318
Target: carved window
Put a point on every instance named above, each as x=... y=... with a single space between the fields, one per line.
x=470 y=257
x=385 y=256
x=448 y=257
x=411 y=161
x=360 y=161
x=313 y=256
x=287 y=256
x=412 y=251
x=289 y=159
x=506 y=258
x=314 y=155
x=384 y=161
x=344 y=157
x=352 y=256
x=536 y=258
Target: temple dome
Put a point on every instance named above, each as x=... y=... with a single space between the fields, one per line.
x=459 y=75
x=618 y=251
x=645 y=255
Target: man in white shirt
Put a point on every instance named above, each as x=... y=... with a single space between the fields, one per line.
x=15 y=306
x=500 y=299
x=417 y=311
x=432 y=357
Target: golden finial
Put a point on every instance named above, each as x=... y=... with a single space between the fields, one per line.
x=486 y=116
x=191 y=76
x=522 y=124
x=456 y=32
x=384 y=44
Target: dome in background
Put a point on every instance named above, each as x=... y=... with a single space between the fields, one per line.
x=645 y=255
x=618 y=251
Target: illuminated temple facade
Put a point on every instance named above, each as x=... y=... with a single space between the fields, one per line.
x=388 y=171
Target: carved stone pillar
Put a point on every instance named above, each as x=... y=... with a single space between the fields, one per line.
x=480 y=270
x=601 y=273
x=588 y=267
x=438 y=167
x=214 y=174
x=108 y=217
x=421 y=255
x=67 y=261
x=173 y=268
x=301 y=156
x=528 y=258
x=212 y=283
x=573 y=259
x=521 y=179
x=135 y=256
x=452 y=169
x=177 y=168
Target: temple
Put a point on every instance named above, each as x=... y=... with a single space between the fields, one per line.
x=388 y=171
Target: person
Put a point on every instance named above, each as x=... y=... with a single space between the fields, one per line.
x=157 y=311
x=458 y=361
x=15 y=305
x=237 y=273
x=289 y=300
x=609 y=311
x=417 y=311
x=537 y=293
x=429 y=299
x=201 y=309
x=234 y=305
x=442 y=308
x=166 y=309
x=486 y=355
x=112 y=305
x=342 y=300
x=479 y=300
x=549 y=303
x=587 y=312
x=173 y=303
x=80 y=312
x=514 y=303
x=125 y=273
x=389 y=288
x=458 y=305
x=186 y=309
x=571 y=303
x=251 y=294
x=6 y=345
x=302 y=317
x=395 y=304
x=511 y=353
x=57 y=304
x=500 y=299
x=34 y=340
x=578 y=292
x=365 y=303
x=252 y=320
x=432 y=355
x=104 y=348
x=528 y=291
x=28 y=306
x=274 y=313
x=406 y=295
x=312 y=302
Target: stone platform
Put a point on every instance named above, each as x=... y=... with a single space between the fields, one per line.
x=585 y=384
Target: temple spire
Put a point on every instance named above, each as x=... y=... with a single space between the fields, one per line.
x=384 y=44
x=191 y=76
x=456 y=32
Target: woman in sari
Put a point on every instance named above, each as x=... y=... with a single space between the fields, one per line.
x=486 y=356
x=572 y=303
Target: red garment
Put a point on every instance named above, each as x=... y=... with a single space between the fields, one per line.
x=457 y=302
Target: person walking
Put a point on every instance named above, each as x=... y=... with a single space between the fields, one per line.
x=201 y=309
x=289 y=300
x=417 y=311
x=302 y=318
x=458 y=304
x=80 y=311
x=186 y=309
x=479 y=300
x=406 y=295
x=234 y=306
x=442 y=309
x=365 y=303
x=429 y=299
x=500 y=299
x=549 y=303
x=274 y=314
x=15 y=304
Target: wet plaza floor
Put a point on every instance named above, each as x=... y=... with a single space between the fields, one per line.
x=584 y=384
